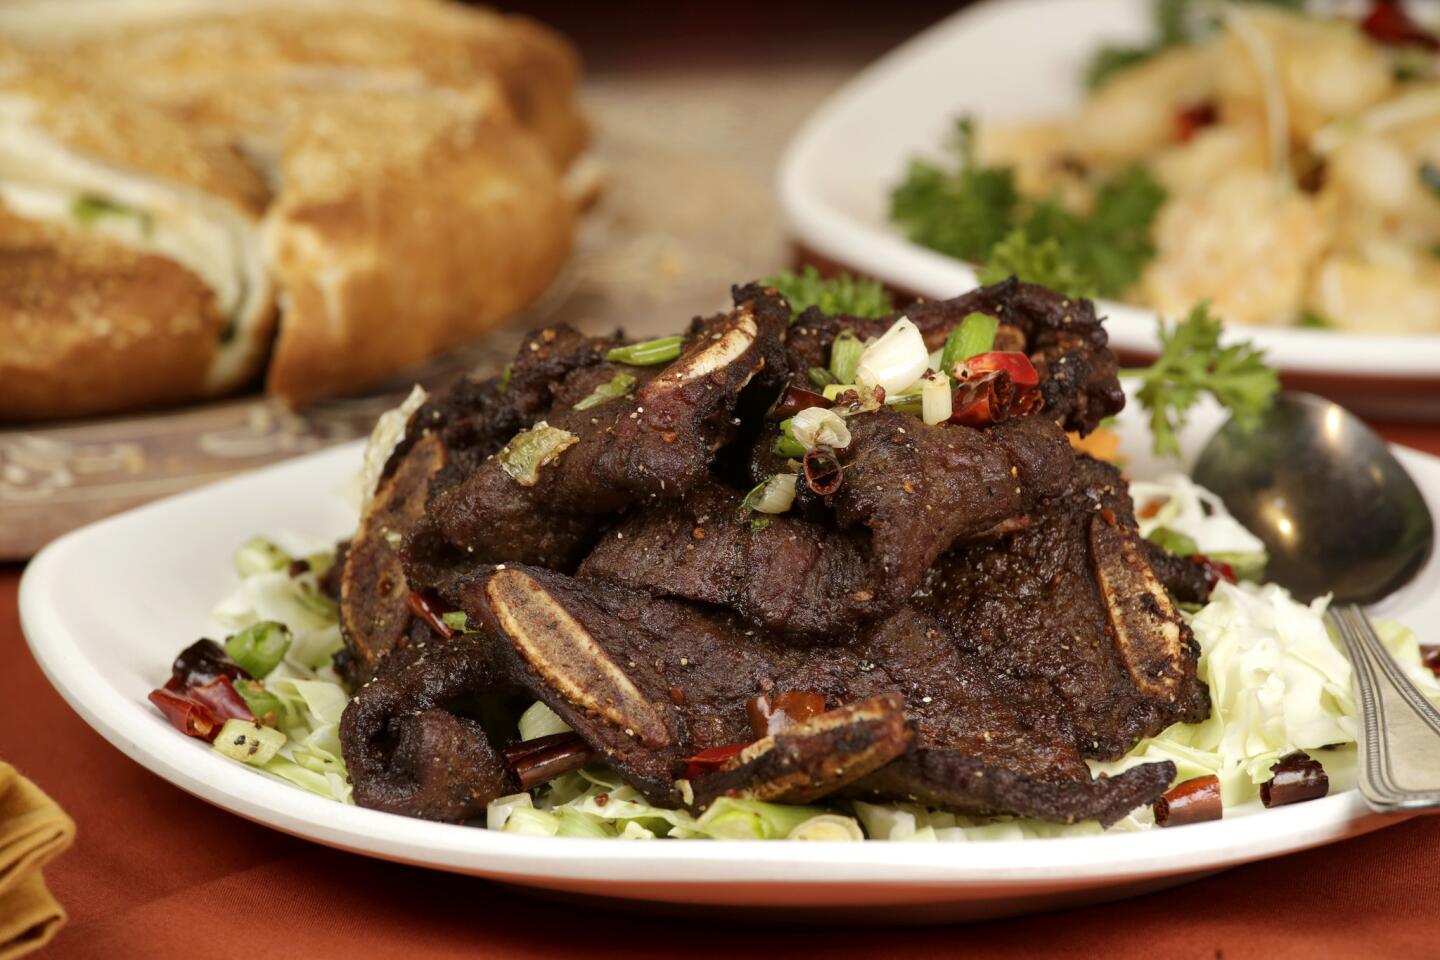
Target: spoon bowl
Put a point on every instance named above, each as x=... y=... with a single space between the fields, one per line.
x=1336 y=511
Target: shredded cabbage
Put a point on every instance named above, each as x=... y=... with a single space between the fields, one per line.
x=311 y=694
x=1175 y=503
x=1279 y=682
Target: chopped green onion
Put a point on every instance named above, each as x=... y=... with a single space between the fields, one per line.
x=975 y=335
x=258 y=555
x=820 y=377
x=267 y=708
x=88 y=208
x=248 y=742
x=260 y=647
x=774 y=495
x=936 y=401
x=531 y=449
x=647 y=353
x=619 y=385
x=455 y=620
x=786 y=445
x=818 y=427
x=895 y=360
x=539 y=720
x=845 y=353
x=1173 y=541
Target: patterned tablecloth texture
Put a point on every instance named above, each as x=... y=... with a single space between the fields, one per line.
x=688 y=208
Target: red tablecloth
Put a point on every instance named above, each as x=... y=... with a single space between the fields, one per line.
x=156 y=872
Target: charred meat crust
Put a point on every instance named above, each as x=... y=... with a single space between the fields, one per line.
x=963 y=784
x=409 y=748
x=975 y=607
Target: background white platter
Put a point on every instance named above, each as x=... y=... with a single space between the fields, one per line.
x=1009 y=60
x=105 y=610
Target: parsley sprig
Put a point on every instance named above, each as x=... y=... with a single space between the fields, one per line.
x=840 y=295
x=974 y=213
x=1192 y=363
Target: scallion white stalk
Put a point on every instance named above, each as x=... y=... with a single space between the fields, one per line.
x=936 y=401
x=818 y=427
x=896 y=360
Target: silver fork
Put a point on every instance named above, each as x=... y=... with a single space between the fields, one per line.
x=1399 y=736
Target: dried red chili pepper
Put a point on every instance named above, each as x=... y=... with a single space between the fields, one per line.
x=545 y=758
x=426 y=606
x=772 y=712
x=201 y=662
x=1011 y=362
x=190 y=717
x=1296 y=778
x=221 y=698
x=712 y=759
x=795 y=399
x=823 y=471
x=1193 y=801
x=1215 y=570
x=1388 y=23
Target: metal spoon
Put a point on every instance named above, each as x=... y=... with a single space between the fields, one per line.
x=1339 y=514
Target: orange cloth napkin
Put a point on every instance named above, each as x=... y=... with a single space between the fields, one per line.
x=33 y=831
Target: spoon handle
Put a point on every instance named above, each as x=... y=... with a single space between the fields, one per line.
x=1400 y=730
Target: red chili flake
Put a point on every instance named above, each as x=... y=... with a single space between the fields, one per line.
x=1215 y=570
x=795 y=399
x=221 y=698
x=1388 y=23
x=771 y=713
x=712 y=759
x=1193 y=118
x=190 y=717
x=426 y=606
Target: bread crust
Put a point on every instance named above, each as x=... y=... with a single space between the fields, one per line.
x=90 y=327
x=391 y=251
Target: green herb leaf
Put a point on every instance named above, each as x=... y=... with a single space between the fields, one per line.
x=618 y=386
x=646 y=353
x=840 y=296
x=1035 y=261
x=531 y=449
x=1192 y=363
x=1315 y=321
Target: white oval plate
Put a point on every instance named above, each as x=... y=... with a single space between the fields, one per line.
x=106 y=609
x=1009 y=61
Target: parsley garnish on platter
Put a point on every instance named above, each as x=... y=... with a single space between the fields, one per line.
x=840 y=295
x=1191 y=363
x=974 y=213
